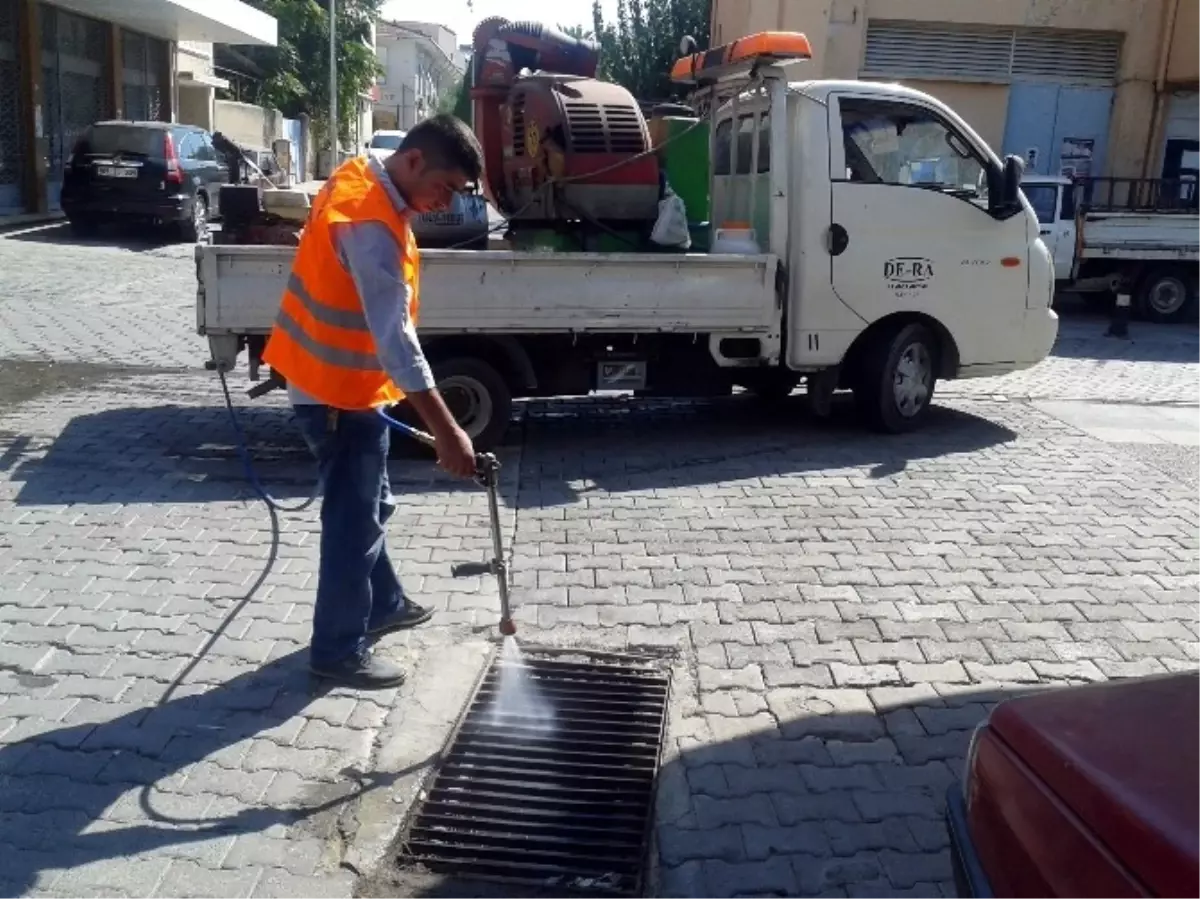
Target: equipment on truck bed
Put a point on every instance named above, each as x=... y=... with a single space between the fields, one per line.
x=557 y=143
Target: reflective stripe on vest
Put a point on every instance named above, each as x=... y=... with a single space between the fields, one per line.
x=321 y=342
x=339 y=318
x=325 y=353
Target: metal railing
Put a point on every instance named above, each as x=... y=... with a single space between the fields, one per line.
x=1136 y=195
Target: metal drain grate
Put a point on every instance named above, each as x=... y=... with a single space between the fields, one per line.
x=563 y=803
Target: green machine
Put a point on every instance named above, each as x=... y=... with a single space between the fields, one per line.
x=682 y=145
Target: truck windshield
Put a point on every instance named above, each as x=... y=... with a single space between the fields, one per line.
x=1044 y=200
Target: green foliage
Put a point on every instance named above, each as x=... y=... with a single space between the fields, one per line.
x=458 y=104
x=295 y=73
x=638 y=50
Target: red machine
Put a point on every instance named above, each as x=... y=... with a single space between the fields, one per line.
x=558 y=144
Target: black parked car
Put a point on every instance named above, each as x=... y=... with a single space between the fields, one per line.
x=156 y=172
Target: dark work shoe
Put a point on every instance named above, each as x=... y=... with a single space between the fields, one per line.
x=364 y=671
x=410 y=615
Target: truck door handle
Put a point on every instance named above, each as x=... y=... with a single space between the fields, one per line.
x=838 y=240
x=1045 y=231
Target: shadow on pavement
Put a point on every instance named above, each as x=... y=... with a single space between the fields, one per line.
x=124 y=236
x=65 y=791
x=824 y=791
x=1082 y=335
x=612 y=445
x=167 y=454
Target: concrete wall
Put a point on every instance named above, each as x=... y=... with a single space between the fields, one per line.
x=247 y=124
x=1184 y=64
x=196 y=107
x=984 y=106
x=837 y=31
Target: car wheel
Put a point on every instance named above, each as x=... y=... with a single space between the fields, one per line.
x=477 y=396
x=195 y=229
x=895 y=384
x=1166 y=295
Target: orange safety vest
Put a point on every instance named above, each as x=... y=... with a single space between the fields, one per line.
x=320 y=341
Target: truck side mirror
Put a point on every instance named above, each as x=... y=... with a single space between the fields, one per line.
x=1004 y=187
x=1014 y=170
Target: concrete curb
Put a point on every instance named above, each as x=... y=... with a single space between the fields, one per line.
x=409 y=748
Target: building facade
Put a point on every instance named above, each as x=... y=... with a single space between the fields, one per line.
x=1081 y=87
x=68 y=63
x=422 y=64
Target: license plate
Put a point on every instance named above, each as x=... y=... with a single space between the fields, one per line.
x=112 y=171
x=443 y=218
x=621 y=376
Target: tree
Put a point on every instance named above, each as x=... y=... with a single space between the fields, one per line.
x=458 y=103
x=638 y=50
x=293 y=76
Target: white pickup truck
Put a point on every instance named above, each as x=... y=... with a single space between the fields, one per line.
x=1110 y=232
x=871 y=279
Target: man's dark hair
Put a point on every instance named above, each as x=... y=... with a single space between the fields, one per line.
x=446 y=143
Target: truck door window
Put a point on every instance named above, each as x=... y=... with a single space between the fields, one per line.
x=1068 y=204
x=1044 y=200
x=887 y=142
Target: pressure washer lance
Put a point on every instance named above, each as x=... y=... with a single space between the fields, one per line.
x=487 y=467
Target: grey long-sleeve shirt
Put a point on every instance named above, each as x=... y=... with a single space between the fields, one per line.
x=370 y=255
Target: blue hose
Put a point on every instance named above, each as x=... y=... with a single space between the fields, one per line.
x=248 y=463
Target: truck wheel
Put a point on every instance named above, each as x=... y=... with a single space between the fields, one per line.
x=895 y=383
x=1166 y=295
x=478 y=397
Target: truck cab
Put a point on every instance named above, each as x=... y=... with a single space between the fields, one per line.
x=1131 y=236
x=1052 y=198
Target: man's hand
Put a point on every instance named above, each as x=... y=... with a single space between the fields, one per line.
x=455 y=453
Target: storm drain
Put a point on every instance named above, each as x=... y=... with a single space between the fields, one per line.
x=549 y=779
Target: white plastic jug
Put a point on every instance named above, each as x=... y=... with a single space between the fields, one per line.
x=735 y=241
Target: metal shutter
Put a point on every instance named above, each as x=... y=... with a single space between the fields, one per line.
x=954 y=52
x=979 y=53
x=1079 y=57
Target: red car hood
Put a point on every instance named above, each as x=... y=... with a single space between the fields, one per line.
x=1125 y=758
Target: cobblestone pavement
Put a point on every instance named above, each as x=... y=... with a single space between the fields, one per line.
x=844 y=609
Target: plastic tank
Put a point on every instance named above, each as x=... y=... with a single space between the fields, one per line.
x=735 y=241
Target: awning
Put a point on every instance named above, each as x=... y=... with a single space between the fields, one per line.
x=218 y=21
x=190 y=79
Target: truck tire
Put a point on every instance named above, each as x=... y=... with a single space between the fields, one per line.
x=894 y=385
x=478 y=397
x=1166 y=294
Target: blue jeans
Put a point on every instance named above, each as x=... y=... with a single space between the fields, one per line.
x=357 y=587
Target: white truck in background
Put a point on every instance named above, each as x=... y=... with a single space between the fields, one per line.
x=869 y=280
x=1107 y=232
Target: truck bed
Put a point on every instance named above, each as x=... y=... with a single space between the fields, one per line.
x=1140 y=235
x=487 y=291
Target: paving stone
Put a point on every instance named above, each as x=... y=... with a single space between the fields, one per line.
x=772 y=876
x=1037 y=561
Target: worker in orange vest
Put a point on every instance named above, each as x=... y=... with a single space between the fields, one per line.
x=345 y=341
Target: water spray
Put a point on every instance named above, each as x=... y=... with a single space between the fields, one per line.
x=487 y=470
